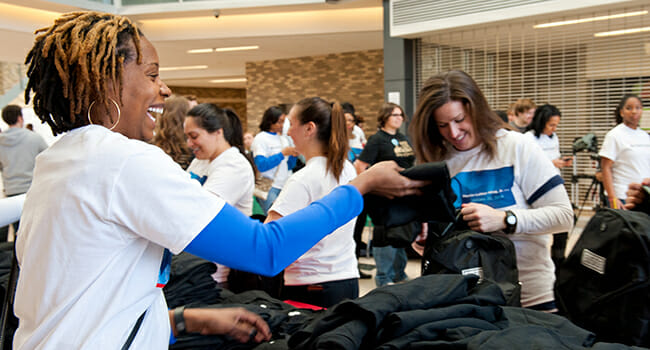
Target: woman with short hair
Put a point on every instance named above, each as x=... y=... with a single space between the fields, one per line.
x=387 y=144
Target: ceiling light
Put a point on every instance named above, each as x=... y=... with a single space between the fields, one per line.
x=236 y=48
x=224 y=49
x=163 y=69
x=590 y=19
x=233 y=80
x=200 y=51
x=622 y=32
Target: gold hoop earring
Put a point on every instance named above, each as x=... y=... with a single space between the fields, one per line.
x=119 y=113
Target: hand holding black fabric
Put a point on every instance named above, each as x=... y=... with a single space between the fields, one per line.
x=435 y=204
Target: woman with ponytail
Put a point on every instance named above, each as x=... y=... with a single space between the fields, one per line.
x=215 y=137
x=327 y=273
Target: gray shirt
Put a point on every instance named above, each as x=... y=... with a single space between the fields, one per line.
x=18 y=150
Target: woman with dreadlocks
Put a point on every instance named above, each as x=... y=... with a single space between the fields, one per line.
x=105 y=209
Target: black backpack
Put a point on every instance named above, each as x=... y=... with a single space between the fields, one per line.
x=604 y=284
x=491 y=257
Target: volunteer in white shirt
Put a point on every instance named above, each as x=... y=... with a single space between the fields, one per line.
x=215 y=137
x=326 y=274
x=106 y=209
x=502 y=179
x=625 y=153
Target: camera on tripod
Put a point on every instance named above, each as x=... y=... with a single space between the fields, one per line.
x=589 y=143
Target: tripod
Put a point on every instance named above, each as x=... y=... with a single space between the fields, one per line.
x=595 y=185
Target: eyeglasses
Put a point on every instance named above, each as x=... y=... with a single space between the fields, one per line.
x=397 y=115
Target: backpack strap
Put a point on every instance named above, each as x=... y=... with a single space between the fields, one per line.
x=134 y=331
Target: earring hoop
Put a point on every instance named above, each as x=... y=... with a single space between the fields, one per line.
x=119 y=113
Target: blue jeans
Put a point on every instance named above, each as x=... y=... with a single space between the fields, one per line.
x=272 y=196
x=391 y=263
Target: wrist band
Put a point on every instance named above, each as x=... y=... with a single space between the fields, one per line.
x=179 y=320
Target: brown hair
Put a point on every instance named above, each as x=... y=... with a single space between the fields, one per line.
x=454 y=85
x=385 y=111
x=522 y=105
x=169 y=134
x=332 y=132
x=72 y=61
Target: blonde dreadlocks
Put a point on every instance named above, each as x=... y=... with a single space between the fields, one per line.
x=72 y=60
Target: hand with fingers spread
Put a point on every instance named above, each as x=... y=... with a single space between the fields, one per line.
x=483 y=218
x=384 y=179
x=237 y=323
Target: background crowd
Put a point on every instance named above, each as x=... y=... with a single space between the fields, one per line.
x=148 y=174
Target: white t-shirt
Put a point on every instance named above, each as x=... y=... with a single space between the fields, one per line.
x=229 y=176
x=267 y=144
x=549 y=144
x=96 y=221
x=356 y=130
x=10 y=209
x=356 y=142
x=333 y=258
x=522 y=179
x=630 y=150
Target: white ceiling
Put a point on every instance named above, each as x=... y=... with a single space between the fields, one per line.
x=282 y=31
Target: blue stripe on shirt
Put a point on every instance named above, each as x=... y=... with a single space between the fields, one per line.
x=291 y=162
x=549 y=185
x=491 y=187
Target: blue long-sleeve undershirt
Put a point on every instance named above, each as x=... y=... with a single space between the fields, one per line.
x=266 y=163
x=235 y=240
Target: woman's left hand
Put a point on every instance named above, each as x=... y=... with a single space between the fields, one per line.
x=483 y=218
x=238 y=323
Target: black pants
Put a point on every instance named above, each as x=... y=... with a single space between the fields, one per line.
x=558 y=248
x=324 y=294
x=358 y=232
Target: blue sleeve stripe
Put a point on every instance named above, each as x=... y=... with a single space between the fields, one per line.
x=200 y=179
x=172 y=338
x=549 y=185
x=266 y=163
x=237 y=241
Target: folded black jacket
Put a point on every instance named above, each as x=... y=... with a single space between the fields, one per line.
x=191 y=281
x=355 y=324
x=435 y=204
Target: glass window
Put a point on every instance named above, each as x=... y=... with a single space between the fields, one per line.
x=146 y=2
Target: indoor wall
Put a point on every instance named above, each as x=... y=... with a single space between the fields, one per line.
x=355 y=77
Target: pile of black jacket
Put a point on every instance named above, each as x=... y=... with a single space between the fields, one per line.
x=190 y=281
x=440 y=312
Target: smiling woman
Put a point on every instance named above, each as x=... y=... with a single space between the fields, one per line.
x=504 y=183
x=106 y=210
x=215 y=137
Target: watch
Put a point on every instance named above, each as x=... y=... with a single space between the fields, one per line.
x=511 y=222
x=179 y=320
